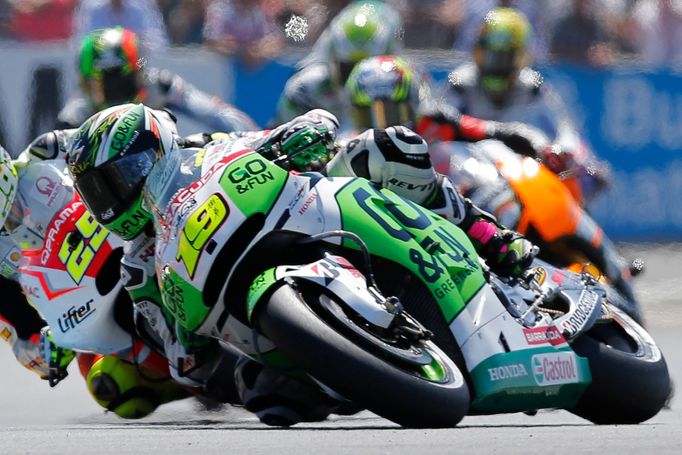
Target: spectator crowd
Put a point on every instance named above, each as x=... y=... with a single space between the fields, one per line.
x=589 y=32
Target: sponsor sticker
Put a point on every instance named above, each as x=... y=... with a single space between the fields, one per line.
x=507 y=372
x=540 y=275
x=543 y=335
x=582 y=313
x=555 y=369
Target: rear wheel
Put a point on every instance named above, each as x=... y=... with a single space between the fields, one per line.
x=414 y=385
x=630 y=379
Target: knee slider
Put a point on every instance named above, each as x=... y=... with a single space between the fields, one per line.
x=277 y=399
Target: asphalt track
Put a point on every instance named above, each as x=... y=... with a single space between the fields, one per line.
x=40 y=420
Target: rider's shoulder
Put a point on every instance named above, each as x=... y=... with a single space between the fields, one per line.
x=531 y=81
x=160 y=79
x=74 y=113
x=463 y=78
x=308 y=78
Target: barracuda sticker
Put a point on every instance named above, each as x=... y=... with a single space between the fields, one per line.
x=542 y=335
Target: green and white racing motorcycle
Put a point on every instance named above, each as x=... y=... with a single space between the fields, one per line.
x=384 y=303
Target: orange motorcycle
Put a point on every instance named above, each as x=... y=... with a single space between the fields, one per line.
x=523 y=194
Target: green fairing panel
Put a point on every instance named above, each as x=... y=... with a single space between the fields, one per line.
x=258 y=289
x=531 y=378
x=183 y=300
x=253 y=183
x=433 y=248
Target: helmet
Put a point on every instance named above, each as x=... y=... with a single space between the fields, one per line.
x=500 y=51
x=362 y=30
x=109 y=67
x=120 y=387
x=8 y=186
x=383 y=92
x=109 y=160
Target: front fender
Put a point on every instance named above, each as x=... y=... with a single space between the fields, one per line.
x=336 y=275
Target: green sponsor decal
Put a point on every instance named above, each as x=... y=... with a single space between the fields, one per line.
x=532 y=378
x=182 y=300
x=253 y=183
x=260 y=285
x=438 y=252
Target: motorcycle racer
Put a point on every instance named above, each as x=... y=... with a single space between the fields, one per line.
x=388 y=90
x=20 y=324
x=31 y=196
x=114 y=186
x=360 y=30
x=112 y=70
x=500 y=85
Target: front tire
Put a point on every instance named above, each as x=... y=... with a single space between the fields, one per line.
x=630 y=379
x=370 y=380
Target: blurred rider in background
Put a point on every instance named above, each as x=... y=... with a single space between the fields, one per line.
x=112 y=70
x=360 y=30
x=387 y=90
x=367 y=29
x=500 y=85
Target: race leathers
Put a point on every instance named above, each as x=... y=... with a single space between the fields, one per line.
x=313 y=87
x=529 y=100
x=43 y=189
x=309 y=88
x=165 y=90
x=534 y=102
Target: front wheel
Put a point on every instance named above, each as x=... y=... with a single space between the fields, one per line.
x=431 y=395
x=630 y=379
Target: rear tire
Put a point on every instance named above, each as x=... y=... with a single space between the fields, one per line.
x=630 y=379
x=384 y=388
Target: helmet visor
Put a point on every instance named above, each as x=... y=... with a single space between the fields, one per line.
x=113 y=88
x=345 y=68
x=499 y=63
x=109 y=190
x=382 y=114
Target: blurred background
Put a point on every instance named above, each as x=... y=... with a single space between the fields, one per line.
x=615 y=63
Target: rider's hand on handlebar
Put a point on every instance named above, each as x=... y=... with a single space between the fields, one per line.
x=519 y=137
x=557 y=159
x=512 y=253
x=57 y=358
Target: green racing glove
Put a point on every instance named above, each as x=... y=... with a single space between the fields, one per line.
x=56 y=357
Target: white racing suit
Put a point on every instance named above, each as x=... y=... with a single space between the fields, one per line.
x=532 y=101
x=43 y=189
x=312 y=87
